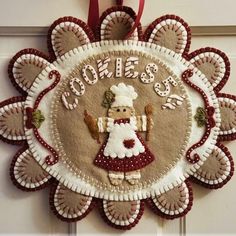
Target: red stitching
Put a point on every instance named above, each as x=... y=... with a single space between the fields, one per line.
x=210 y=121
x=50 y=160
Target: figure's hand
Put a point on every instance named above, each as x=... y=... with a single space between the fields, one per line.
x=151 y=123
x=91 y=123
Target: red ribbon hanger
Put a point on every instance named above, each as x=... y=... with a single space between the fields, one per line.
x=93 y=15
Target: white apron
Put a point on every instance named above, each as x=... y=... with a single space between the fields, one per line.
x=123 y=141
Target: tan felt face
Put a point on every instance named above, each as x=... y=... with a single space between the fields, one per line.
x=168 y=136
x=121 y=112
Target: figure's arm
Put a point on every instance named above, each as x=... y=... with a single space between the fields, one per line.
x=95 y=125
x=141 y=123
x=144 y=123
x=102 y=124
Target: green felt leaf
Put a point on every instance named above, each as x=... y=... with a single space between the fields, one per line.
x=200 y=117
x=38 y=118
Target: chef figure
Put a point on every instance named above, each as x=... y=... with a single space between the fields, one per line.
x=124 y=153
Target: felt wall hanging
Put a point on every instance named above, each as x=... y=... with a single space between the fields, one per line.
x=118 y=118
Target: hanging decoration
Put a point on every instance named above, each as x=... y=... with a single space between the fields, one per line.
x=118 y=118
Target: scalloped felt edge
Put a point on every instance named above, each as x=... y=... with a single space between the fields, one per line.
x=14 y=59
x=8 y=102
x=16 y=183
x=152 y=26
x=74 y=20
x=154 y=208
x=220 y=185
x=59 y=216
x=126 y=227
x=125 y=9
x=225 y=78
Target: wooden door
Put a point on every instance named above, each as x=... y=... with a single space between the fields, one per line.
x=23 y=24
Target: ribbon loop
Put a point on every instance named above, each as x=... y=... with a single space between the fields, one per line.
x=93 y=15
x=138 y=18
x=119 y=2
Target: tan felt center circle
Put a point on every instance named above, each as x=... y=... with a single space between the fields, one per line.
x=169 y=135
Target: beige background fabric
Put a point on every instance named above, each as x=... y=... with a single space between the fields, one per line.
x=228 y=116
x=167 y=137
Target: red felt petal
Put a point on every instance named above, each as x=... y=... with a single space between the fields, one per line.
x=69 y=206
x=217 y=177
x=171 y=32
x=115 y=24
x=24 y=66
x=67 y=33
x=227 y=101
x=174 y=203
x=214 y=64
x=122 y=215
x=26 y=174
x=12 y=109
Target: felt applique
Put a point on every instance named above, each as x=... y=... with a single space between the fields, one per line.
x=124 y=152
x=201 y=116
x=117 y=118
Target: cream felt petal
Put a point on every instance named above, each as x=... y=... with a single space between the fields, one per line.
x=69 y=205
x=169 y=31
x=116 y=22
x=25 y=66
x=228 y=117
x=26 y=173
x=217 y=170
x=12 y=120
x=214 y=64
x=67 y=33
x=173 y=203
x=122 y=215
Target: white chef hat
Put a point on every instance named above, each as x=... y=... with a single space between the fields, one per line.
x=124 y=95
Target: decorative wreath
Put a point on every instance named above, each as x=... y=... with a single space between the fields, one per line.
x=119 y=123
